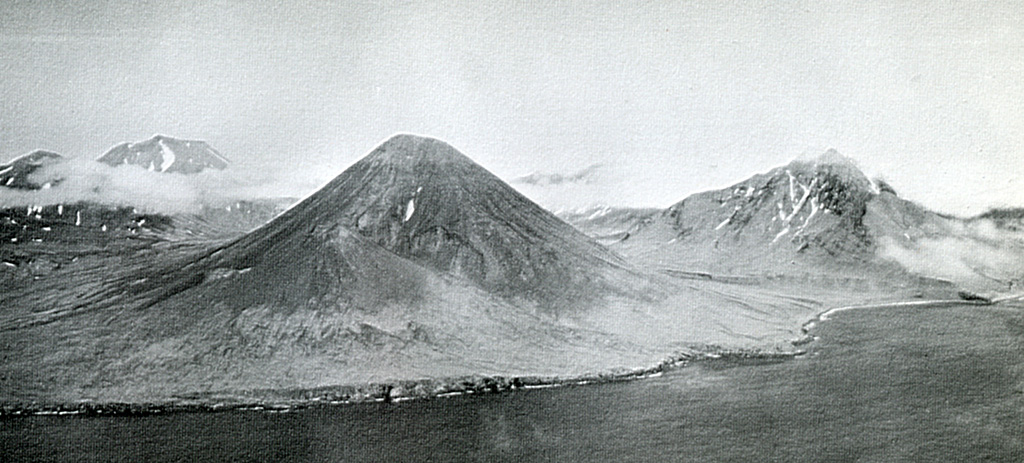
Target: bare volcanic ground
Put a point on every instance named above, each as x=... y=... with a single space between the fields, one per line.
x=39 y=240
x=413 y=264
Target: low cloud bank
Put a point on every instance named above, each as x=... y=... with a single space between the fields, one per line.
x=583 y=176
x=975 y=253
x=152 y=192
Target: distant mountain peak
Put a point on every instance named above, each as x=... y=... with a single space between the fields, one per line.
x=162 y=153
x=15 y=174
x=35 y=157
x=830 y=158
x=830 y=167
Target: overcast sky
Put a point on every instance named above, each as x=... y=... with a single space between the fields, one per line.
x=669 y=98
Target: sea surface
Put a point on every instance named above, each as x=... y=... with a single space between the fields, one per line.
x=913 y=384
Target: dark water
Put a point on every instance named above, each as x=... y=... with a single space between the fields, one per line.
x=881 y=385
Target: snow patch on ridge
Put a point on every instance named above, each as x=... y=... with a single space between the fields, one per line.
x=409 y=210
x=781 y=234
x=167 y=158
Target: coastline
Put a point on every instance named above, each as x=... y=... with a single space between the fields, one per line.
x=807 y=326
x=426 y=389
x=280 y=401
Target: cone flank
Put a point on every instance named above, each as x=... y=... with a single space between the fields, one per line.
x=424 y=201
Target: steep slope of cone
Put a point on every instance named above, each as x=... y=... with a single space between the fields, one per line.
x=161 y=153
x=423 y=200
x=824 y=212
x=18 y=173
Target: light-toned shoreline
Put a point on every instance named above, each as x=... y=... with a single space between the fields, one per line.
x=278 y=401
x=401 y=391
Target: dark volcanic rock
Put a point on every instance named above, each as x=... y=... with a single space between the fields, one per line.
x=423 y=200
x=1006 y=218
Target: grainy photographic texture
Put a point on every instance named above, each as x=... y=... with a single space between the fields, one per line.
x=511 y=231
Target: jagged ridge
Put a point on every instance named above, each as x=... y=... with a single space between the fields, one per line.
x=823 y=211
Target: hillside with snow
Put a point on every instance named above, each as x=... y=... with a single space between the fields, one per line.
x=607 y=224
x=821 y=218
x=161 y=153
x=22 y=172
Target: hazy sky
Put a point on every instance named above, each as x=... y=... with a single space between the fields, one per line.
x=670 y=98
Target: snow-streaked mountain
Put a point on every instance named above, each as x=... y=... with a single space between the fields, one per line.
x=161 y=153
x=820 y=216
x=18 y=173
x=414 y=263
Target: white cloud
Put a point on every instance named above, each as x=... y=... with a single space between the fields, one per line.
x=132 y=186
